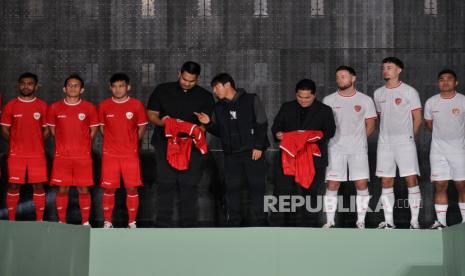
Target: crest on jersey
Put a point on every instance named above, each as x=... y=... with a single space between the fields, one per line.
x=233 y=115
x=398 y=101
x=357 y=108
x=36 y=115
x=81 y=116
x=456 y=111
x=129 y=115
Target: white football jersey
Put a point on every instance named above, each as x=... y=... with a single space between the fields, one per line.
x=395 y=106
x=448 y=116
x=350 y=113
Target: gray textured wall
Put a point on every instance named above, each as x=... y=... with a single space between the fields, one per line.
x=267 y=45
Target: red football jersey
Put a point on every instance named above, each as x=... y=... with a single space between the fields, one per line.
x=180 y=136
x=121 y=121
x=298 y=149
x=72 y=124
x=26 y=119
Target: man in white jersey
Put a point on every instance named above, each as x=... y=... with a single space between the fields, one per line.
x=445 y=117
x=355 y=116
x=399 y=109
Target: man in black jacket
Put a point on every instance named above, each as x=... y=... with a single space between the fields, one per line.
x=178 y=100
x=303 y=113
x=239 y=120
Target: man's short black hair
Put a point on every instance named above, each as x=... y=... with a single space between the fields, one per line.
x=346 y=68
x=75 y=77
x=28 y=75
x=306 y=84
x=447 y=71
x=191 y=67
x=119 y=77
x=223 y=78
x=394 y=60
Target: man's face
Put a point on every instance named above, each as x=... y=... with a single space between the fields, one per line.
x=27 y=87
x=187 y=80
x=220 y=91
x=73 y=88
x=390 y=71
x=305 y=98
x=120 y=89
x=344 y=79
x=447 y=83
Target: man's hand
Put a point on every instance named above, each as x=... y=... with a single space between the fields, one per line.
x=256 y=154
x=279 y=135
x=203 y=118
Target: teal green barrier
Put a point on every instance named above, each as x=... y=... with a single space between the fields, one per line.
x=265 y=251
x=29 y=248
x=454 y=250
x=43 y=249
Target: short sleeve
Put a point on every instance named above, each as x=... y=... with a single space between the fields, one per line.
x=428 y=110
x=154 y=102
x=414 y=100
x=6 y=116
x=370 y=109
x=326 y=101
x=93 y=116
x=141 y=115
x=51 y=116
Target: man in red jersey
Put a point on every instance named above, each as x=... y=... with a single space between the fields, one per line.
x=122 y=122
x=73 y=122
x=24 y=128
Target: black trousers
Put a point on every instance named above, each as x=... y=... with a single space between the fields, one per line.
x=184 y=183
x=286 y=186
x=235 y=167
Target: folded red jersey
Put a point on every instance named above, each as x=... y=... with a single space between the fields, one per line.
x=181 y=135
x=298 y=148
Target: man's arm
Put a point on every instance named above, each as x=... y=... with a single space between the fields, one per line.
x=52 y=130
x=141 y=130
x=154 y=118
x=208 y=124
x=93 y=132
x=45 y=132
x=261 y=138
x=429 y=124
x=370 y=125
x=278 y=124
x=6 y=133
x=417 y=120
x=329 y=128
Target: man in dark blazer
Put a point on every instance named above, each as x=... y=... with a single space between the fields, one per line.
x=303 y=113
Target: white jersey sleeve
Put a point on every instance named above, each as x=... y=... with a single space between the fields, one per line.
x=370 y=112
x=326 y=100
x=414 y=99
x=428 y=114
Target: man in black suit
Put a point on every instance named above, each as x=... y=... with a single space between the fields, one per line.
x=303 y=113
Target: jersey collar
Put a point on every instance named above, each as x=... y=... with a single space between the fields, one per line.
x=351 y=95
x=26 y=101
x=120 y=102
x=399 y=84
x=64 y=100
x=448 y=98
